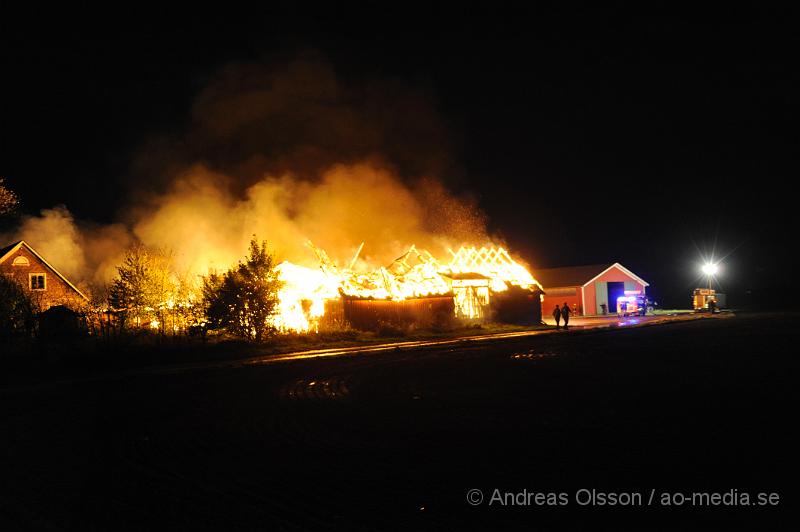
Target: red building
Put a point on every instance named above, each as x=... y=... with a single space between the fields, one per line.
x=588 y=290
x=46 y=285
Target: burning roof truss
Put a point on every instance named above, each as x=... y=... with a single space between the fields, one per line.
x=469 y=276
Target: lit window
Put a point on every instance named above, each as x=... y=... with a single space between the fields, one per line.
x=38 y=281
x=21 y=261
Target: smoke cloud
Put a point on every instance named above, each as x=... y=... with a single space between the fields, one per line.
x=208 y=226
x=289 y=153
x=298 y=116
x=85 y=252
x=57 y=238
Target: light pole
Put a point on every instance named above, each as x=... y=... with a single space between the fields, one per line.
x=710 y=269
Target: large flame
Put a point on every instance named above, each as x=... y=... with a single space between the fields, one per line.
x=495 y=263
x=469 y=276
x=301 y=300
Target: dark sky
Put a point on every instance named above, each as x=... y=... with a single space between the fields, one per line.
x=586 y=136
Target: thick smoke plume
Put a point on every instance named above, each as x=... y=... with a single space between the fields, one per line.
x=206 y=225
x=85 y=252
x=297 y=116
x=290 y=154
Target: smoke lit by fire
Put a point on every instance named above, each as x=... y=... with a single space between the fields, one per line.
x=336 y=204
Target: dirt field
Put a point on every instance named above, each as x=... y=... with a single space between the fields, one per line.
x=395 y=440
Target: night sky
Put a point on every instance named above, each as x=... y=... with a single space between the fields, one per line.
x=586 y=136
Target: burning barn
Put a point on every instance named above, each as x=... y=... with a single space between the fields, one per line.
x=470 y=295
x=476 y=285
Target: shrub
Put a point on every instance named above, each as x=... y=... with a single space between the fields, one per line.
x=17 y=310
x=244 y=298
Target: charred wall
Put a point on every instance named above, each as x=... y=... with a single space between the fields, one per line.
x=517 y=305
x=371 y=314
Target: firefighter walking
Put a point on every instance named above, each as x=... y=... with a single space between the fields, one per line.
x=557 y=316
x=565 y=311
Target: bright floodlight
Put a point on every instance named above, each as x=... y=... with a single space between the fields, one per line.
x=710 y=269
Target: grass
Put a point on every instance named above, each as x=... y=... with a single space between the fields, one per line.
x=143 y=348
x=286 y=343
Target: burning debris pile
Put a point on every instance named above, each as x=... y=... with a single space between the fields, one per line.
x=460 y=288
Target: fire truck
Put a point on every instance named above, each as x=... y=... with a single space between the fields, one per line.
x=634 y=303
x=707 y=300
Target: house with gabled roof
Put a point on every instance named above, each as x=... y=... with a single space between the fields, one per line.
x=46 y=285
x=588 y=290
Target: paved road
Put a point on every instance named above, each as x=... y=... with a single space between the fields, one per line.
x=579 y=323
x=613 y=321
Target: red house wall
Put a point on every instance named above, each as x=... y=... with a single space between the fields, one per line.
x=553 y=298
x=590 y=299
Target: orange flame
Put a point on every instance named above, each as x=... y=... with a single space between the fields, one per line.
x=414 y=274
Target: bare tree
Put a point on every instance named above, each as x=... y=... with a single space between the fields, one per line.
x=8 y=199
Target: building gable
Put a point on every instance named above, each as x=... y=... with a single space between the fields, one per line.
x=580 y=275
x=22 y=263
x=621 y=270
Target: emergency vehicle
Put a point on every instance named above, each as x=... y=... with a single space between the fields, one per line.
x=634 y=303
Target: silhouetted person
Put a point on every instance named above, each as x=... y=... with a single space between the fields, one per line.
x=565 y=312
x=557 y=316
x=712 y=306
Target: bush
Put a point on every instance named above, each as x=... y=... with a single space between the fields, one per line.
x=61 y=323
x=17 y=310
x=142 y=286
x=243 y=299
x=390 y=330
